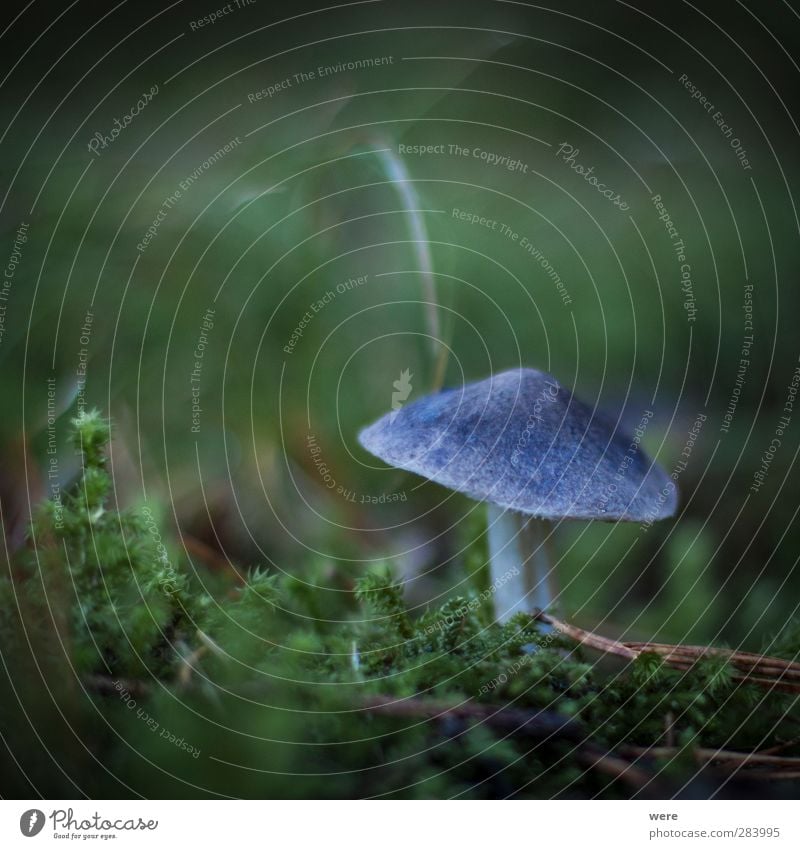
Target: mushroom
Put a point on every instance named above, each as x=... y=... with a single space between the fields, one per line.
x=524 y=444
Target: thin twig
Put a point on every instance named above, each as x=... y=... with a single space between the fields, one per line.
x=615 y=767
x=539 y=724
x=717 y=756
x=779 y=747
x=769 y=672
x=542 y=724
x=587 y=638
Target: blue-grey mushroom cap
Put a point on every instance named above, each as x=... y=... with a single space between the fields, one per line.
x=523 y=441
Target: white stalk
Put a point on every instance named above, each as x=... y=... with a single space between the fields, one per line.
x=521 y=576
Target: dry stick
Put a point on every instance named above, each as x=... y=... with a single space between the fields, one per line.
x=721 y=756
x=773 y=675
x=615 y=767
x=744 y=660
x=543 y=725
x=586 y=638
x=779 y=747
x=769 y=672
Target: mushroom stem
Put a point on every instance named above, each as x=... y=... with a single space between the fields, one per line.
x=521 y=577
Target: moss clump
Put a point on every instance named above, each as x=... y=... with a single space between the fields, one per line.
x=102 y=577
